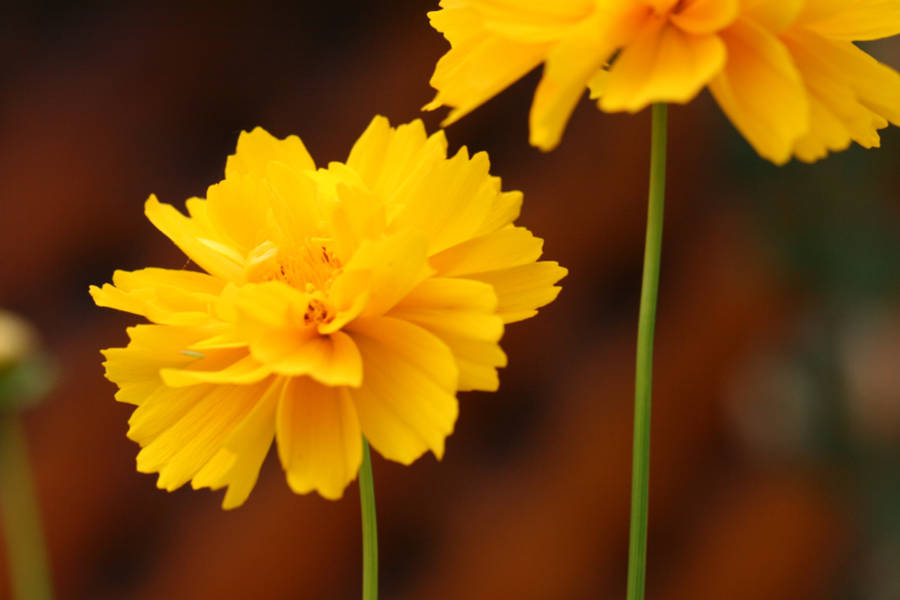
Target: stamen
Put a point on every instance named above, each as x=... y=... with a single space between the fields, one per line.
x=317 y=312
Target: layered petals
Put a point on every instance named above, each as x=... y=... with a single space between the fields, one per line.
x=702 y=17
x=786 y=72
x=760 y=75
x=852 y=20
x=191 y=429
x=664 y=63
x=404 y=361
x=569 y=66
x=194 y=235
x=319 y=441
x=236 y=465
x=353 y=300
x=161 y=295
x=463 y=314
x=844 y=108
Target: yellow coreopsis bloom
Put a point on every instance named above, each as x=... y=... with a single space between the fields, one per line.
x=354 y=300
x=786 y=72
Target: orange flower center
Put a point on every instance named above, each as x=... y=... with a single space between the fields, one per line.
x=309 y=267
x=318 y=312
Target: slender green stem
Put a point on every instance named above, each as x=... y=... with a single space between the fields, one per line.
x=369 y=527
x=643 y=380
x=20 y=517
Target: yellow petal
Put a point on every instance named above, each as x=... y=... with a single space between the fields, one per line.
x=189 y=237
x=223 y=366
x=162 y=409
x=319 y=439
x=447 y=293
x=461 y=312
x=505 y=209
x=569 y=67
x=189 y=282
x=572 y=63
x=522 y=290
x=135 y=369
x=239 y=208
x=760 y=74
x=269 y=304
x=837 y=115
x=407 y=403
x=180 y=451
x=399 y=152
x=469 y=75
x=395 y=264
x=507 y=247
x=478 y=361
x=826 y=134
x=357 y=214
x=852 y=20
x=449 y=202
x=662 y=64
x=774 y=15
x=876 y=86
x=162 y=295
x=453 y=307
x=529 y=20
x=256 y=149
x=237 y=463
x=331 y=360
x=598 y=84
x=296 y=206
x=706 y=16
x=367 y=155
x=486 y=54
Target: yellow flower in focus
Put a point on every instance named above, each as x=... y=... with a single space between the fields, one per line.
x=354 y=300
x=786 y=72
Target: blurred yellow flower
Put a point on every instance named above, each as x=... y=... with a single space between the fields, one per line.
x=17 y=340
x=350 y=301
x=786 y=72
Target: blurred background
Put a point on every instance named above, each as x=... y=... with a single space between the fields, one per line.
x=776 y=440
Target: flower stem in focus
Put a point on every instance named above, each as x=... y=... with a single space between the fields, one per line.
x=369 y=527
x=640 y=473
x=20 y=517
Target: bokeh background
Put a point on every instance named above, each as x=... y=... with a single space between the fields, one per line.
x=776 y=441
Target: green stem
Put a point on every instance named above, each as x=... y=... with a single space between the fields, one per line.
x=369 y=527
x=643 y=380
x=20 y=517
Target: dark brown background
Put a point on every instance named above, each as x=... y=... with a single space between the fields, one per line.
x=777 y=410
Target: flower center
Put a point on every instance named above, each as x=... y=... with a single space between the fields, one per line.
x=318 y=312
x=310 y=266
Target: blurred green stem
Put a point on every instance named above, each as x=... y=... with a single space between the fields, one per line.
x=643 y=381
x=369 y=526
x=20 y=516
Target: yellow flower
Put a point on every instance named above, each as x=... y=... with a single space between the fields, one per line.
x=337 y=303
x=17 y=340
x=786 y=72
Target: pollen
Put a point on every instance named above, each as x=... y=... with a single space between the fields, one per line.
x=310 y=266
x=317 y=313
